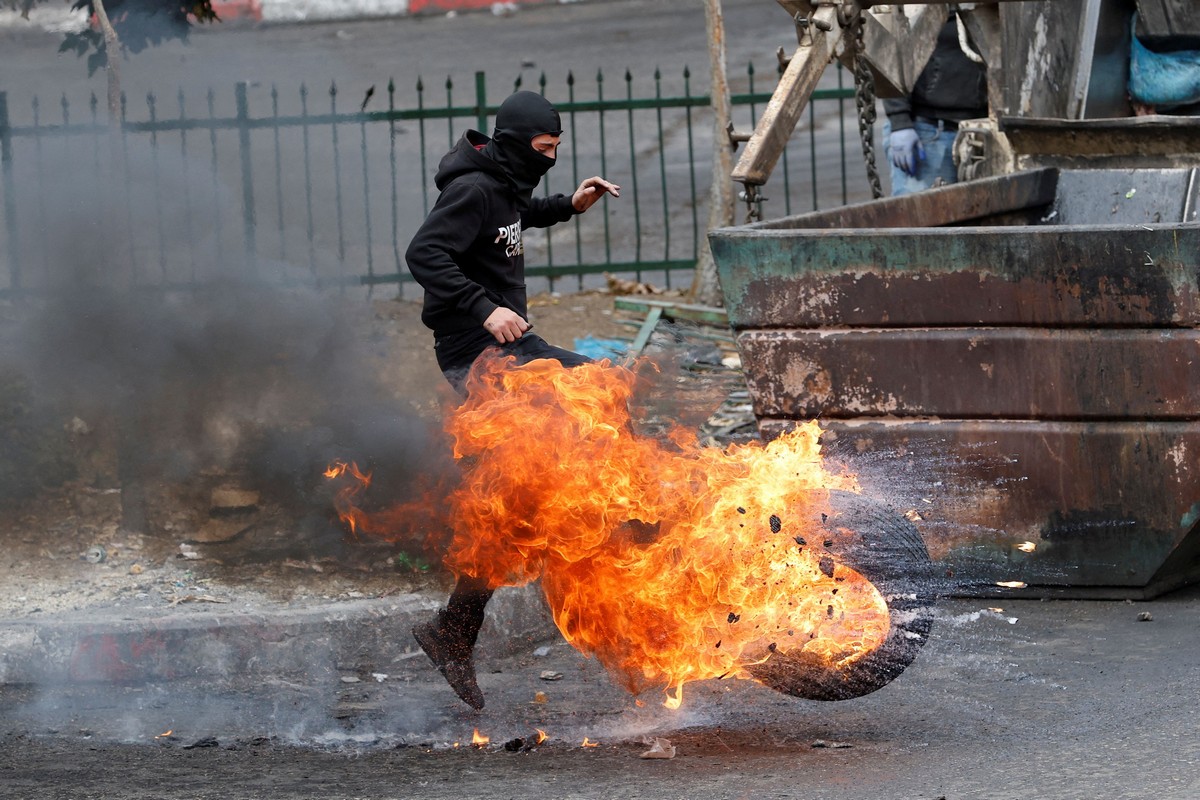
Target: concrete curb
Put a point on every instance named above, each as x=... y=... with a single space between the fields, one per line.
x=361 y=636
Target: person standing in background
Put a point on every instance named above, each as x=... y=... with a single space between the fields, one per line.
x=920 y=128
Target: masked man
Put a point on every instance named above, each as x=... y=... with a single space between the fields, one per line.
x=469 y=257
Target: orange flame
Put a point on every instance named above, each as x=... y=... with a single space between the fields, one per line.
x=668 y=561
x=541 y=735
x=347 y=496
x=589 y=743
x=478 y=739
x=420 y=523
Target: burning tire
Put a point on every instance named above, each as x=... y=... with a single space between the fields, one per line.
x=887 y=549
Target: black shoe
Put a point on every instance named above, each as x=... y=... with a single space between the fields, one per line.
x=452 y=659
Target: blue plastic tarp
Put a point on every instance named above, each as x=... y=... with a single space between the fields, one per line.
x=1164 y=80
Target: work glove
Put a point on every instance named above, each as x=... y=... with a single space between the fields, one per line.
x=905 y=149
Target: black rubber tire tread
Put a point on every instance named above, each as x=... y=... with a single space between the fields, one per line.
x=887 y=549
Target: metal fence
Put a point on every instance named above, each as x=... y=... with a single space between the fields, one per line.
x=324 y=189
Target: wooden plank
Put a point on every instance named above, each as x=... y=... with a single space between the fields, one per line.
x=1003 y=373
x=789 y=99
x=707 y=315
x=645 y=332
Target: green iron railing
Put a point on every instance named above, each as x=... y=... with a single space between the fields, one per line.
x=329 y=197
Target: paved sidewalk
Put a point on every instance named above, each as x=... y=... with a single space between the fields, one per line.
x=284 y=641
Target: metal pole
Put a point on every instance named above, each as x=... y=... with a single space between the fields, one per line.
x=10 y=194
x=481 y=102
x=248 y=219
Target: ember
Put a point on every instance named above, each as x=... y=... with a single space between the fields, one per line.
x=668 y=561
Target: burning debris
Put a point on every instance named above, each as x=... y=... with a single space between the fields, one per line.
x=669 y=561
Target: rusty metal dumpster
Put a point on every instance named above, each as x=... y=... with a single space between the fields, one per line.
x=1013 y=362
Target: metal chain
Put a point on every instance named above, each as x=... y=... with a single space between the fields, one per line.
x=864 y=98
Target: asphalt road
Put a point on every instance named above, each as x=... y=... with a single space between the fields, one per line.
x=1039 y=700
x=611 y=35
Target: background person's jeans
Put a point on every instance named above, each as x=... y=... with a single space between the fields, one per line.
x=939 y=158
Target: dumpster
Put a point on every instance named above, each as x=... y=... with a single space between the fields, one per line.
x=1013 y=363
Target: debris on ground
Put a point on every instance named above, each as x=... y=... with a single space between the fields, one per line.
x=659 y=748
x=197 y=598
x=624 y=286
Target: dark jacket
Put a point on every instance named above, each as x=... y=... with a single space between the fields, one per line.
x=468 y=255
x=952 y=87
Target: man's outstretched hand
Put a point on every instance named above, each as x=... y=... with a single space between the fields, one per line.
x=591 y=190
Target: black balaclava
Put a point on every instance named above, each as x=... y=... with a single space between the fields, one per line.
x=521 y=117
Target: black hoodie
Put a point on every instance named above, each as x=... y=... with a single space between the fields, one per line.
x=468 y=255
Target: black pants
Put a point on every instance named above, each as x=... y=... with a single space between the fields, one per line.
x=457 y=352
x=455 y=355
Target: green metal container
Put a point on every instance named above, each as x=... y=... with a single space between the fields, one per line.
x=1014 y=363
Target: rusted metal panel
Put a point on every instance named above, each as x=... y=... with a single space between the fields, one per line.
x=954 y=204
x=1137 y=140
x=1050 y=42
x=1017 y=373
x=1005 y=383
x=1169 y=24
x=1143 y=275
x=1050 y=504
